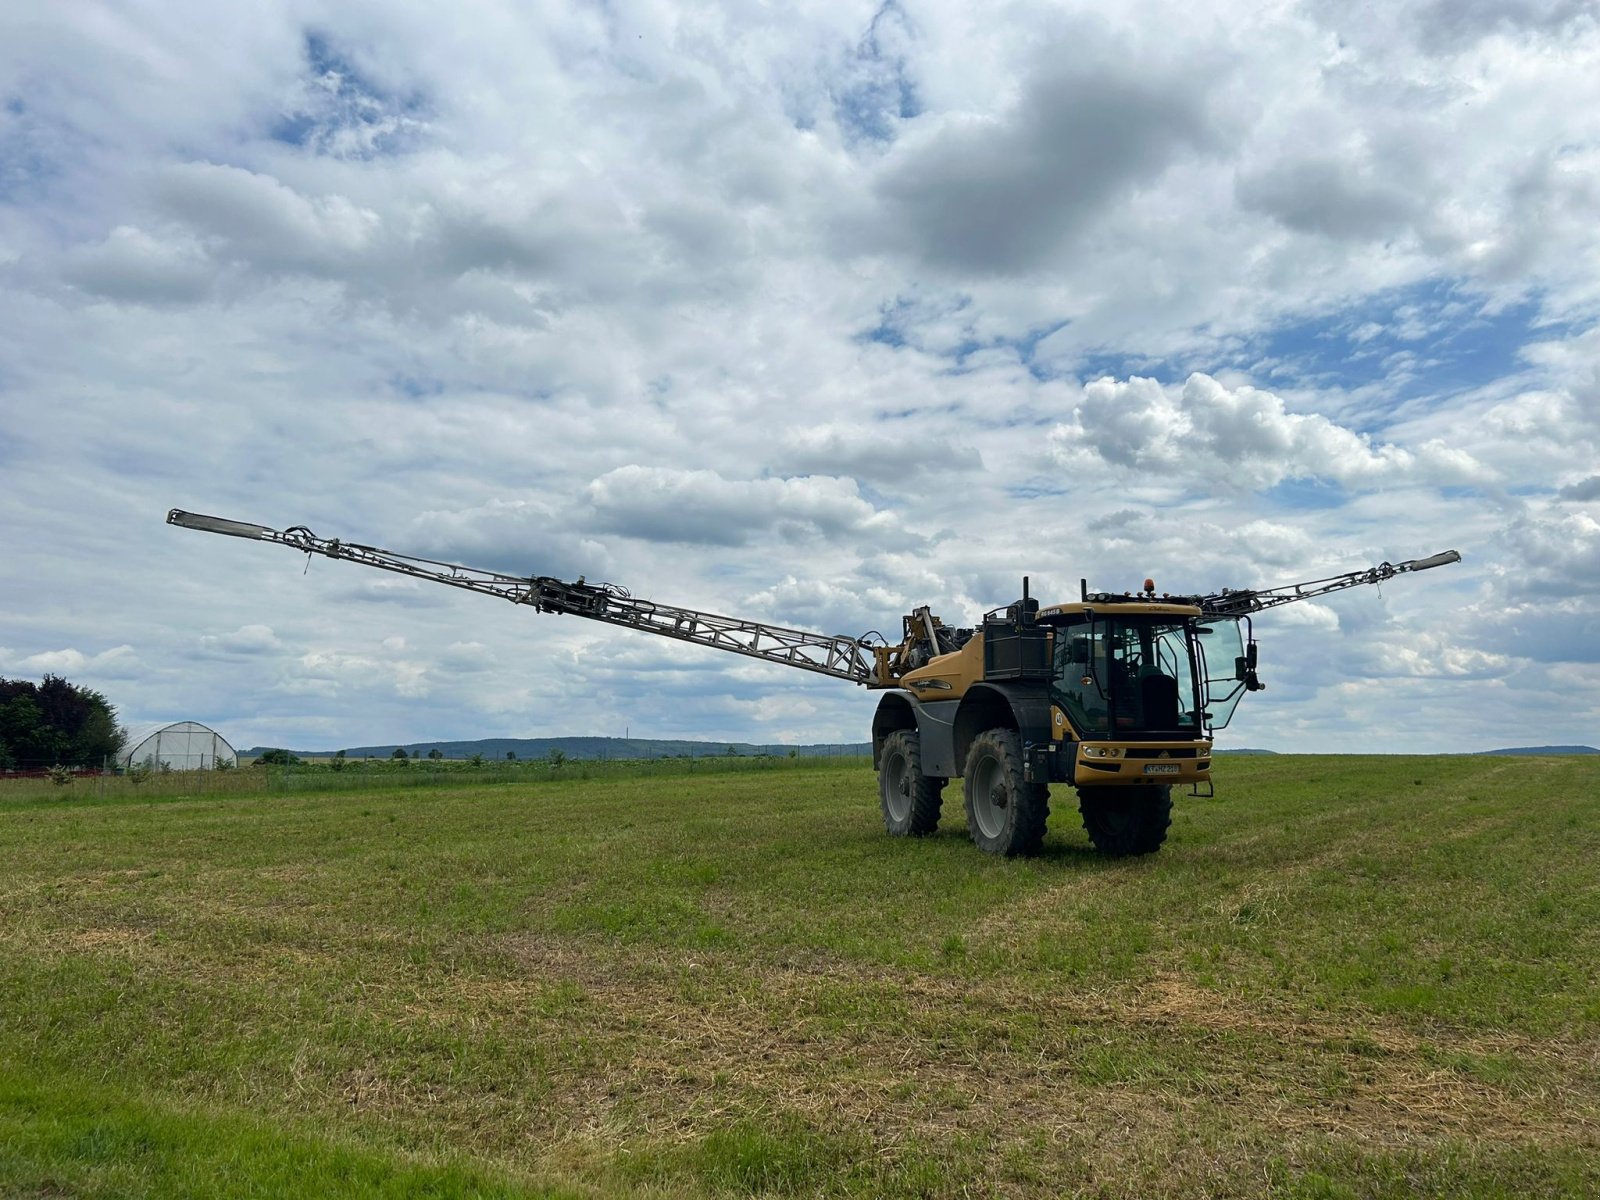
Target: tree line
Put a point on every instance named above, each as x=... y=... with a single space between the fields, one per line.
x=55 y=723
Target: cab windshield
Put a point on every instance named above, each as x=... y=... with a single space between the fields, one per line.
x=1127 y=676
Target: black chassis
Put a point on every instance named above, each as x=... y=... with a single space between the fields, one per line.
x=946 y=728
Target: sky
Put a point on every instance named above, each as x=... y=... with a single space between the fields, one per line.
x=807 y=314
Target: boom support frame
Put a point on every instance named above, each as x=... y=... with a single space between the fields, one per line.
x=838 y=656
x=856 y=659
x=1243 y=601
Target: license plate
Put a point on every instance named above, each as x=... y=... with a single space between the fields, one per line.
x=1161 y=768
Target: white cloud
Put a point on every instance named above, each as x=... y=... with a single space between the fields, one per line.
x=119 y=663
x=661 y=504
x=1000 y=193
x=246 y=640
x=803 y=314
x=515 y=537
x=1238 y=437
x=257 y=218
x=132 y=265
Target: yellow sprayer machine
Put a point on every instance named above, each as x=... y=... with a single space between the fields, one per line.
x=1115 y=695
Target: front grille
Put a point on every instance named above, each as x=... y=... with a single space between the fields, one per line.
x=1148 y=752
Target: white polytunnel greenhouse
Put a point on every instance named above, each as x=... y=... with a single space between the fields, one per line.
x=177 y=746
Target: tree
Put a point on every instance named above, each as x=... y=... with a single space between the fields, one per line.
x=277 y=758
x=511 y=756
x=56 y=723
x=400 y=753
x=435 y=754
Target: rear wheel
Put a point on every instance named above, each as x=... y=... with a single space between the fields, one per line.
x=1005 y=815
x=910 y=800
x=1126 y=821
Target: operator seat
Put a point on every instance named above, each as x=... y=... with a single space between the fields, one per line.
x=1159 y=694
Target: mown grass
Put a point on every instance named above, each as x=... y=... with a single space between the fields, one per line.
x=1345 y=977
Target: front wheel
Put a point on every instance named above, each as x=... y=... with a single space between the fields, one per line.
x=1005 y=815
x=910 y=800
x=1126 y=821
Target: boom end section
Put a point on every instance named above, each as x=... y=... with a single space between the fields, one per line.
x=1437 y=560
x=205 y=524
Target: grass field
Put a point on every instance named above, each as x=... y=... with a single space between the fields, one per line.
x=1343 y=977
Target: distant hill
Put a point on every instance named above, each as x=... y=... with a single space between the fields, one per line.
x=580 y=748
x=630 y=748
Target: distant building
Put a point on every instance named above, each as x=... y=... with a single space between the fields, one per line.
x=178 y=746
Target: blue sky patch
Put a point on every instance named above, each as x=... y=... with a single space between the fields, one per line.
x=879 y=93
x=898 y=320
x=27 y=151
x=1126 y=366
x=1426 y=340
x=344 y=112
x=417 y=387
x=886 y=333
x=1306 y=494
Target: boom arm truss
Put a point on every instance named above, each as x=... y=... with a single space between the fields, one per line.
x=839 y=656
x=1242 y=602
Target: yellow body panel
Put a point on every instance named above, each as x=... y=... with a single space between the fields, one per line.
x=1102 y=762
x=1124 y=769
x=948 y=676
x=1131 y=608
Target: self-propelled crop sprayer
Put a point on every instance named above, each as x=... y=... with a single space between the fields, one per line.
x=1116 y=695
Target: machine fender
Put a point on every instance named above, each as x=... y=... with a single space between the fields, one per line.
x=932 y=721
x=1022 y=706
x=936 y=727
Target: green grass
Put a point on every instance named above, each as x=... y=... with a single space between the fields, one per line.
x=1344 y=977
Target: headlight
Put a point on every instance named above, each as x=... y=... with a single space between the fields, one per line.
x=1102 y=752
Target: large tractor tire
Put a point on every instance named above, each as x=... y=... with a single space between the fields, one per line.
x=910 y=800
x=1004 y=815
x=1126 y=821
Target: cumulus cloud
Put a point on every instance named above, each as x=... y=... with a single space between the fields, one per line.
x=868 y=452
x=666 y=505
x=1445 y=25
x=1237 y=437
x=246 y=640
x=999 y=193
x=136 y=266
x=511 y=536
x=827 y=607
x=119 y=662
x=256 y=217
x=1552 y=553
x=466 y=657
x=410 y=593
x=330 y=672
x=801 y=313
x=1340 y=199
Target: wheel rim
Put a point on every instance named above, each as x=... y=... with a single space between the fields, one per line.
x=988 y=786
x=897 y=787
